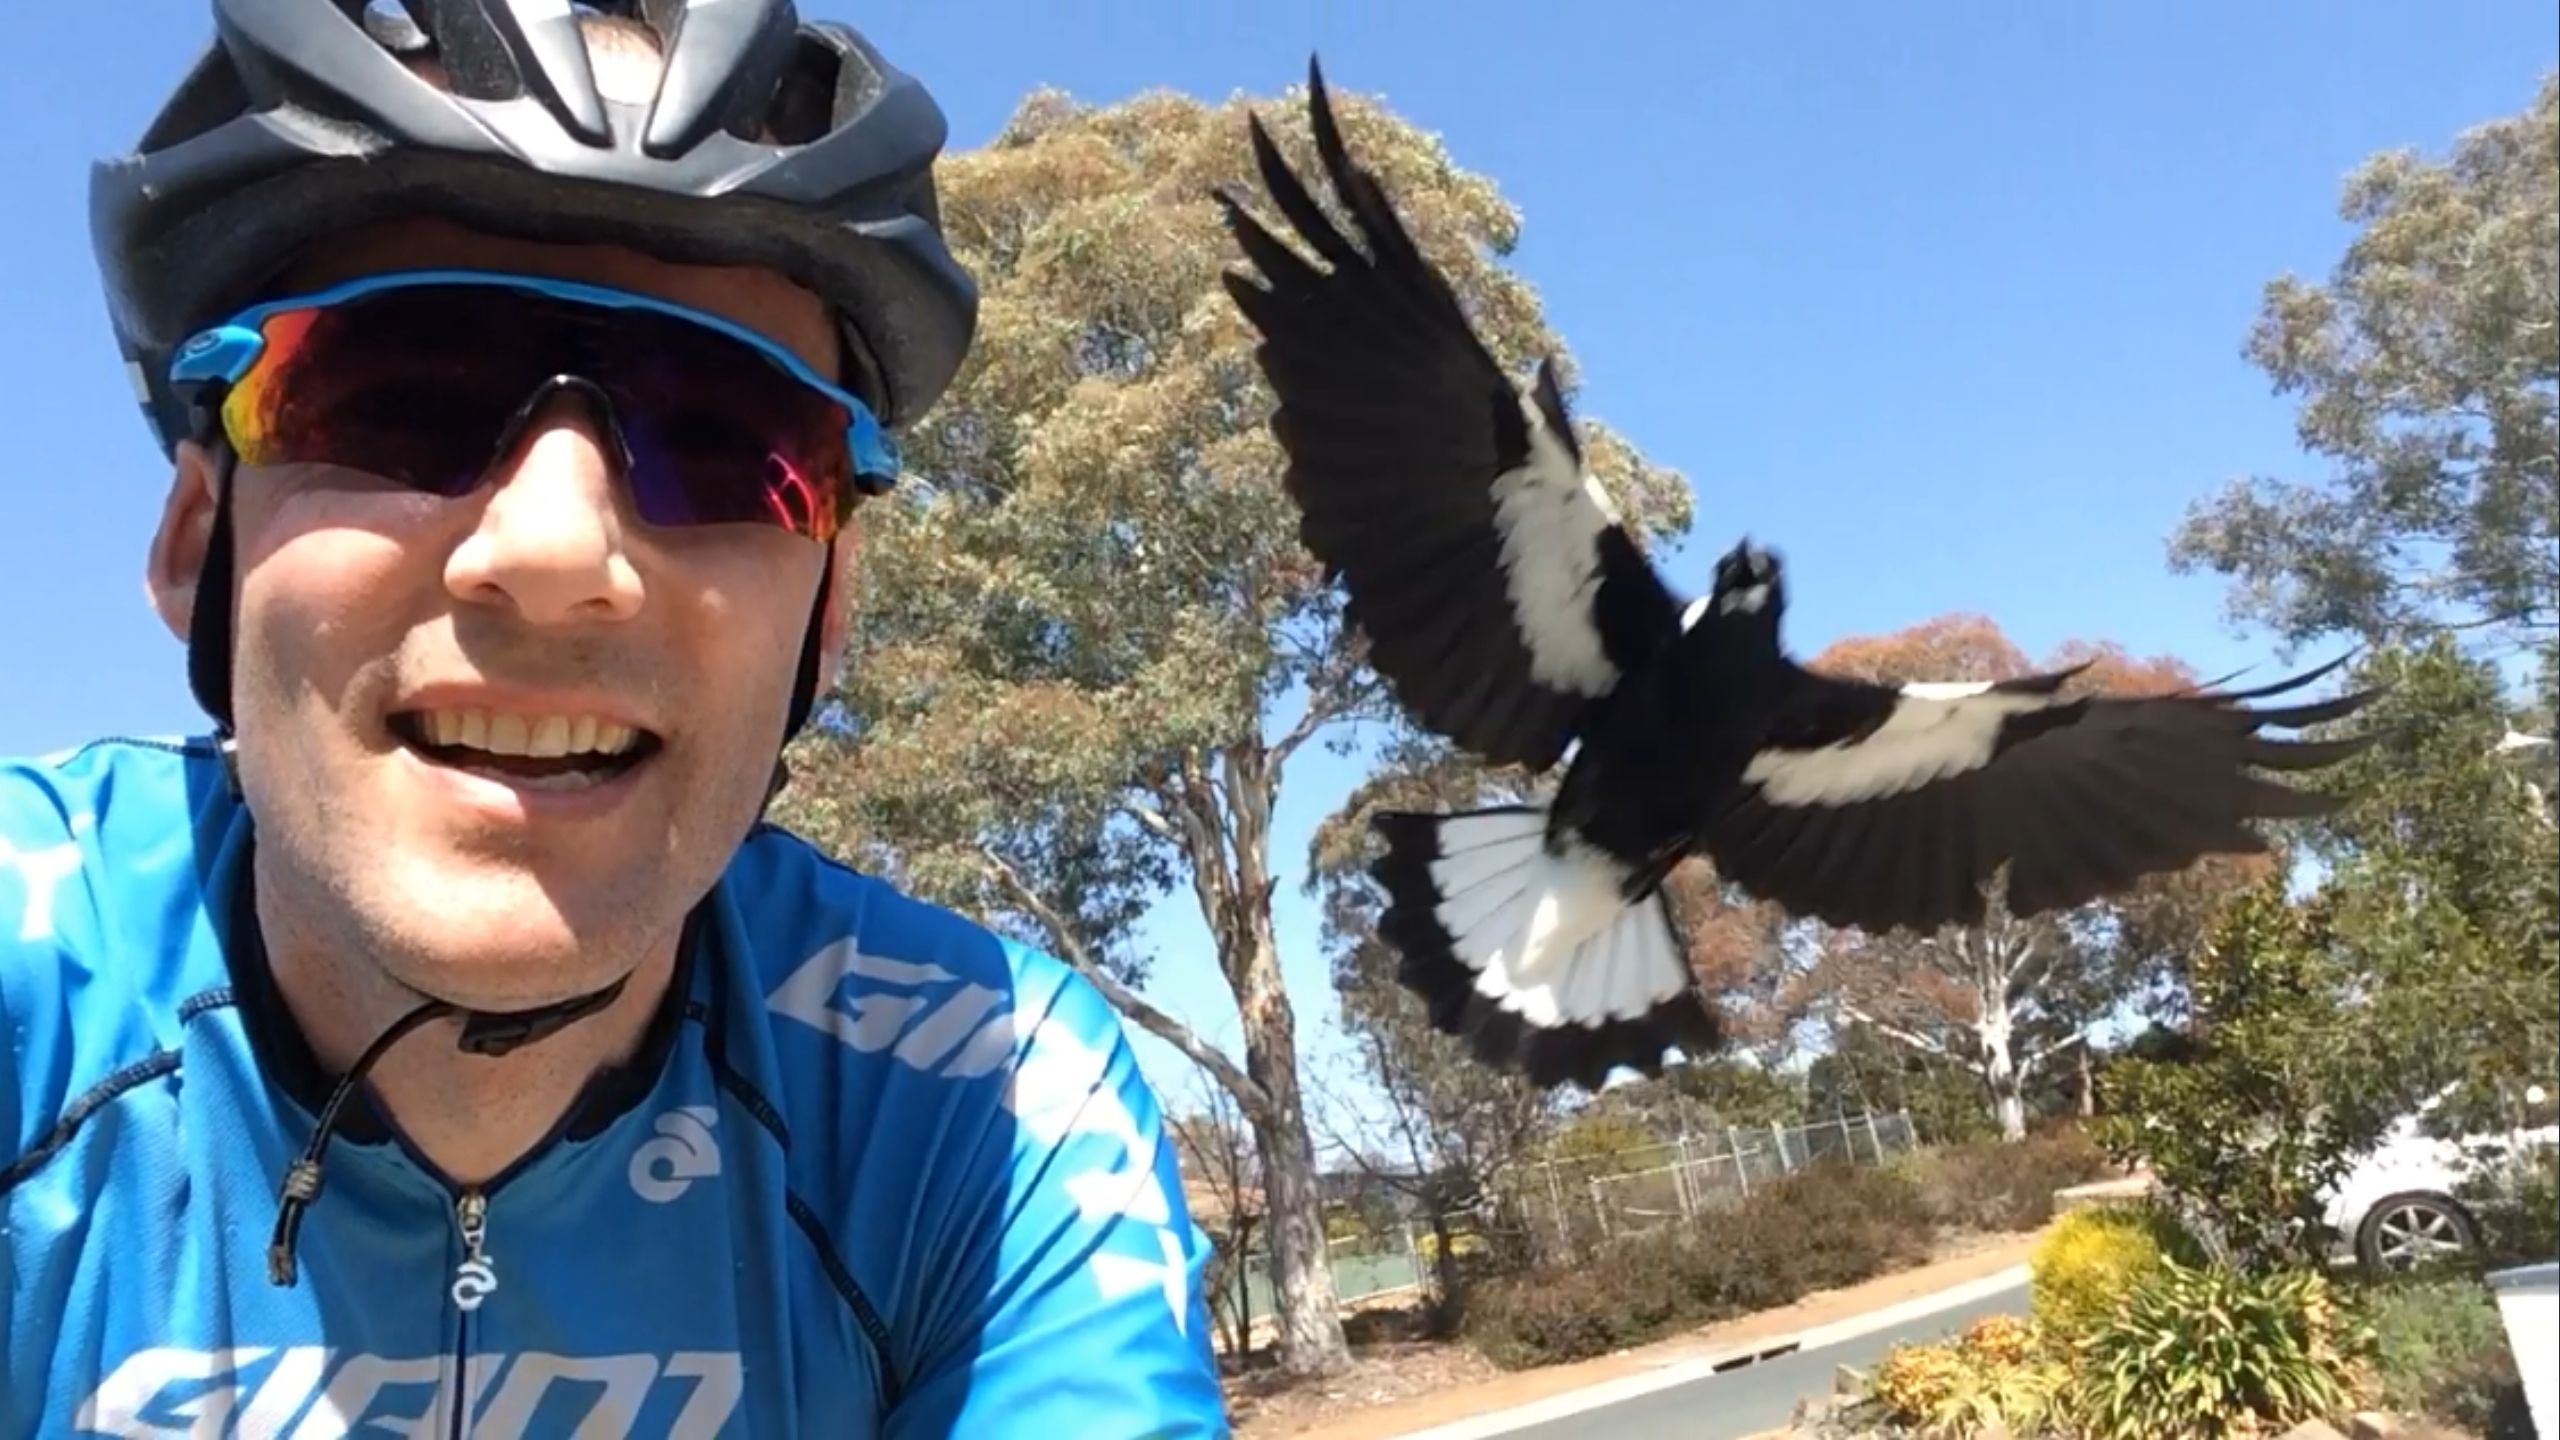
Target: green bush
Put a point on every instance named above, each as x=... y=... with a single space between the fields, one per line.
x=1817 y=1229
x=2208 y=1351
x=2094 y=1258
x=2516 y=1199
x=2281 y=1091
x=1998 y=1186
x=2440 y=1350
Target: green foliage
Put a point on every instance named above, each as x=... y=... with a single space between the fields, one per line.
x=2440 y=1350
x=2095 y=1257
x=2283 y=1090
x=2516 y=1200
x=2445 y=884
x=1862 y=1070
x=1722 y=1091
x=2208 y=1351
x=1601 y=1142
x=2427 y=370
x=1815 y=1229
x=1997 y=1186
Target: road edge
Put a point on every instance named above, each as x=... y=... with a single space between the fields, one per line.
x=1684 y=1372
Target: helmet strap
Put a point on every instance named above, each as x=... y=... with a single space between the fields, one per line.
x=209 y=622
x=804 y=689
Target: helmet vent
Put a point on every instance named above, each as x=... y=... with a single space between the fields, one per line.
x=804 y=104
x=394 y=29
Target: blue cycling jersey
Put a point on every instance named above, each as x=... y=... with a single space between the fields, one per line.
x=876 y=1171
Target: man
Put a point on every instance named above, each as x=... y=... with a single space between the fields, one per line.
x=445 y=1046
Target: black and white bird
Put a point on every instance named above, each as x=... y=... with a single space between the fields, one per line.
x=1510 y=610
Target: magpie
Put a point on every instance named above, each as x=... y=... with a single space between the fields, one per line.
x=1508 y=607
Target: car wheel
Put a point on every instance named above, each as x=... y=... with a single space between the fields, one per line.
x=2404 y=1231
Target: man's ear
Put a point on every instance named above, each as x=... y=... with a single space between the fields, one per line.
x=178 y=547
x=845 y=559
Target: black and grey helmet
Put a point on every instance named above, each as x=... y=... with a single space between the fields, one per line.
x=771 y=142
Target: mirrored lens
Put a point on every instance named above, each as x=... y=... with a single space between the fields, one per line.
x=423 y=386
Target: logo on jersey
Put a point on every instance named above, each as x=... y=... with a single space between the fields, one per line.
x=292 y=1393
x=1060 y=1088
x=40 y=872
x=683 y=1152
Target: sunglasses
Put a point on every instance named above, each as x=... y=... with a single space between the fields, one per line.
x=424 y=377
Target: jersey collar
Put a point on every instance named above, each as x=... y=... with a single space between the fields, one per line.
x=285 y=1056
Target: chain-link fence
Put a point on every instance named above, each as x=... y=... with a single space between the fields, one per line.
x=1564 y=1206
x=1571 y=1203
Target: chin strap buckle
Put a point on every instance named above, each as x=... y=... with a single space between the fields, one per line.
x=497 y=1032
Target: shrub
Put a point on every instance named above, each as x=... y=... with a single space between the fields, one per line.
x=1998 y=1371
x=2280 y=1092
x=1996 y=1186
x=1623 y=1294
x=2209 y=1351
x=2516 y=1199
x=2440 y=1350
x=1819 y=1228
x=2094 y=1258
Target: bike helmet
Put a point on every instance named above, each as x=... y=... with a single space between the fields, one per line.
x=770 y=142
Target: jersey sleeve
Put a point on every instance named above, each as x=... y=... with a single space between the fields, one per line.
x=1084 y=1315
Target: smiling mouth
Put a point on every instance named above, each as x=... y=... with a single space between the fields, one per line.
x=536 y=752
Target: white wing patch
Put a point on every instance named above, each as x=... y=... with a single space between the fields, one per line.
x=1550 y=937
x=1935 y=731
x=1551 y=517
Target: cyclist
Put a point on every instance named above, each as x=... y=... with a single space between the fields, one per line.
x=444 y=1044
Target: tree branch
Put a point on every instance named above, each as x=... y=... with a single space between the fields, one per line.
x=1911 y=1038
x=2027 y=1065
x=1249 y=1094
x=1317 y=716
x=1153 y=819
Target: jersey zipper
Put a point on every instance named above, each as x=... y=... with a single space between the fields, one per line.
x=474 y=1280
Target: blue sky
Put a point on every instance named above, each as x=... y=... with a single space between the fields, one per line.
x=1946 y=302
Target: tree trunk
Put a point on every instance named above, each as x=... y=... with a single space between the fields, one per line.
x=1450 y=1306
x=1306 y=1311
x=2088 y=1084
x=2001 y=1075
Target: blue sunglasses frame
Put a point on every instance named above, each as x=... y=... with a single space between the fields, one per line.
x=221 y=354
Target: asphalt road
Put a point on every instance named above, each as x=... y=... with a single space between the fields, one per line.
x=1757 y=1397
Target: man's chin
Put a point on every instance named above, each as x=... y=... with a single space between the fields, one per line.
x=508 y=940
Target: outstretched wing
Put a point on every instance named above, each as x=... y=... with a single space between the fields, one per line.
x=1878 y=806
x=1499 y=591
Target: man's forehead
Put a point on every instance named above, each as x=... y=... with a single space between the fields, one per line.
x=761 y=300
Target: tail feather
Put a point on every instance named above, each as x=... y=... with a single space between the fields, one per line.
x=1535 y=952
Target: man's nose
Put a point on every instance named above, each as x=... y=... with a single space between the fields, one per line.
x=549 y=538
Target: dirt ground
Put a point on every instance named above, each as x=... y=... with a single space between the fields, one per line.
x=1397 y=1385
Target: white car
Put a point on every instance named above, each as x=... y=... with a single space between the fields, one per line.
x=2397 y=1208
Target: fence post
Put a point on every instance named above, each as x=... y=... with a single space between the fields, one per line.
x=1786 y=1163
x=1599 y=1212
x=1741 y=1166
x=1555 y=1200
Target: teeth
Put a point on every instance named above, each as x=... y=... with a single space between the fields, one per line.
x=550 y=736
x=541 y=736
